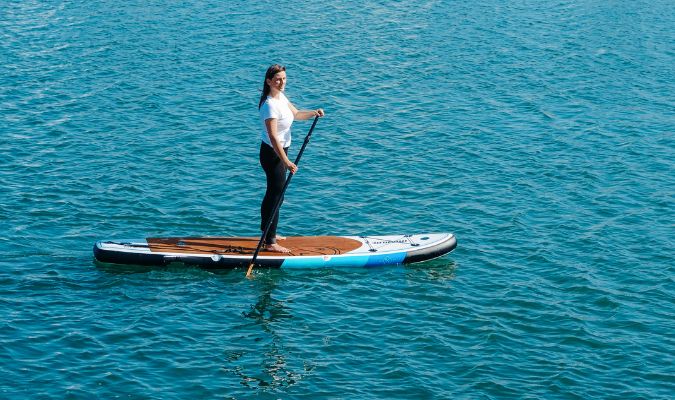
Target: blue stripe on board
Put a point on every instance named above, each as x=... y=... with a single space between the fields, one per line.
x=351 y=261
x=386 y=259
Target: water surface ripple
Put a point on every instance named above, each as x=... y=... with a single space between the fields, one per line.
x=540 y=133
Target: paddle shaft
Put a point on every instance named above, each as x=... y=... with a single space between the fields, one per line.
x=281 y=197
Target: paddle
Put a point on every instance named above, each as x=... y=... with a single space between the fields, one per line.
x=276 y=207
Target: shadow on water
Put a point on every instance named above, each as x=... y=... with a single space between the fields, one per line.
x=440 y=269
x=123 y=269
x=130 y=269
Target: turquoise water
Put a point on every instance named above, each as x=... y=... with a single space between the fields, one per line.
x=540 y=133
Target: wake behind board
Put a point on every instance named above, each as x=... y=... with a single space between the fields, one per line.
x=306 y=251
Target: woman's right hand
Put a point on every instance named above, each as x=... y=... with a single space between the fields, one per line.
x=291 y=167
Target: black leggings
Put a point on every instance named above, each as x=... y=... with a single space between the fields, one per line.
x=275 y=170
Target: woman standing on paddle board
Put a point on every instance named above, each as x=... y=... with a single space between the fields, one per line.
x=277 y=114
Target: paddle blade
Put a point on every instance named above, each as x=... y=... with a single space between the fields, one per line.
x=250 y=269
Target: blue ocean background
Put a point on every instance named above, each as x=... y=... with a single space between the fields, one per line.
x=540 y=133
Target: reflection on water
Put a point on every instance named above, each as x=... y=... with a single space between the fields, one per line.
x=267 y=310
x=440 y=269
x=175 y=268
x=123 y=269
x=268 y=367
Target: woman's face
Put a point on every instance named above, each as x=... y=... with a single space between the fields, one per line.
x=278 y=81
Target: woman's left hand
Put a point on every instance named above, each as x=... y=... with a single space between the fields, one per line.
x=319 y=112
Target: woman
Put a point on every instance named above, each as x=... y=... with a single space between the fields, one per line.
x=277 y=115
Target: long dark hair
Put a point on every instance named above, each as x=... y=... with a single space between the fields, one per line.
x=271 y=71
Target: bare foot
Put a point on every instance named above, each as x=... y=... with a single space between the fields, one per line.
x=276 y=248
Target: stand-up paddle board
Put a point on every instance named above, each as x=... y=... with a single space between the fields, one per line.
x=306 y=251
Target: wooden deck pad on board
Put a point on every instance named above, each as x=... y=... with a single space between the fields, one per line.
x=299 y=245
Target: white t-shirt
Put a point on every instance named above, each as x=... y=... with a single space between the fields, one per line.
x=279 y=109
